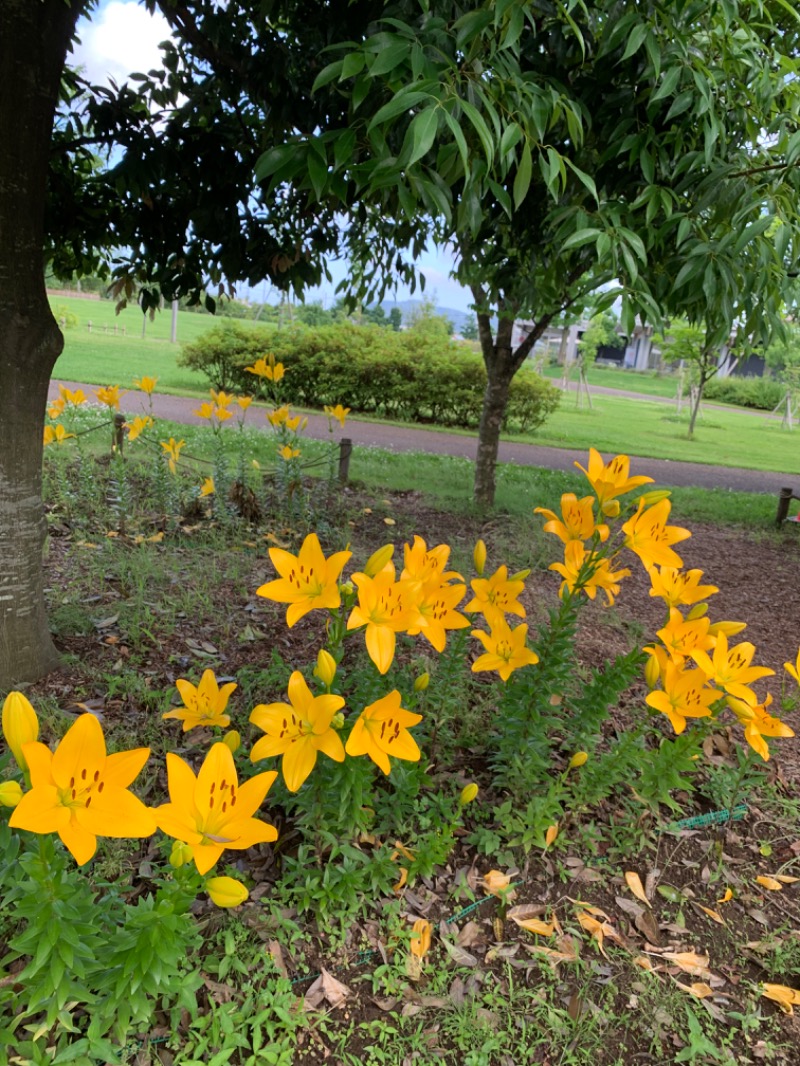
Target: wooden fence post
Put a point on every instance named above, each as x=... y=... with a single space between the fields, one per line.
x=345 y=451
x=784 y=498
x=118 y=437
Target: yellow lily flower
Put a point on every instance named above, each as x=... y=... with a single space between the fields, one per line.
x=55 y=435
x=422 y=565
x=496 y=596
x=758 y=723
x=381 y=730
x=204 y=705
x=260 y=368
x=684 y=695
x=222 y=414
x=506 y=649
x=278 y=416
x=212 y=812
x=221 y=399
x=56 y=408
x=244 y=402
x=679 y=587
x=435 y=612
x=587 y=572
x=793 y=669
x=286 y=453
x=20 y=725
x=648 y=535
x=173 y=449
x=74 y=398
x=205 y=410
x=81 y=793
x=298 y=731
x=308 y=581
x=578 y=519
x=146 y=384
x=383 y=607
x=731 y=669
x=110 y=396
x=138 y=426
x=207 y=488
x=611 y=479
x=683 y=636
x=338 y=412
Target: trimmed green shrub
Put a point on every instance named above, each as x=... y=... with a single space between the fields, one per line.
x=762 y=393
x=405 y=375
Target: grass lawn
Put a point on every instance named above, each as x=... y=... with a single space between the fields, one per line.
x=646 y=382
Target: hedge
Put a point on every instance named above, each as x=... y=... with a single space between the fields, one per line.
x=371 y=370
x=762 y=393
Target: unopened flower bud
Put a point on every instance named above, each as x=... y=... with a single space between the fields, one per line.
x=649 y=498
x=10 y=793
x=468 y=794
x=337 y=722
x=652 y=671
x=378 y=560
x=697 y=611
x=226 y=891
x=346 y=588
x=730 y=629
x=232 y=740
x=20 y=725
x=325 y=669
x=479 y=557
x=610 y=508
x=181 y=854
x=422 y=682
x=521 y=575
x=578 y=759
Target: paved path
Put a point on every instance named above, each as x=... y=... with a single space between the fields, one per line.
x=406 y=439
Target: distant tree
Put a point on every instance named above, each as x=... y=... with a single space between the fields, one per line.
x=375 y=315
x=424 y=318
x=697 y=346
x=469 y=331
x=600 y=333
x=313 y=314
x=396 y=319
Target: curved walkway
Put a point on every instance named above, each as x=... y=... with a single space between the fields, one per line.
x=411 y=439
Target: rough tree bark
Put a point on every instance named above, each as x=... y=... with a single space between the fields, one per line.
x=501 y=362
x=34 y=38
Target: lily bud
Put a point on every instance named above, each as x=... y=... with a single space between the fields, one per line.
x=479 y=557
x=649 y=498
x=697 y=611
x=180 y=854
x=20 y=725
x=468 y=794
x=337 y=722
x=232 y=740
x=610 y=508
x=578 y=759
x=422 y=682
x=521 y=575
x=10 y=793
x=226 y=891
x=730 y=629
x=551 y=834
x=325 y=669
x=378 y=560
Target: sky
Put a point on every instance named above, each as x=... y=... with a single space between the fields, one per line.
x=122 y=37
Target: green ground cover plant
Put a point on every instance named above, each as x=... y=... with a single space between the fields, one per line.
x=455 y=806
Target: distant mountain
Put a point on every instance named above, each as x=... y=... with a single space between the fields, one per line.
x=458 y=318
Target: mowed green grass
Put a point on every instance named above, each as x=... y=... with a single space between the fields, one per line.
x=645 y=382
x=105 y=358
x=726 y=437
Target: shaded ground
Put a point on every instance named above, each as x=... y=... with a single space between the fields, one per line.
x=406 y=439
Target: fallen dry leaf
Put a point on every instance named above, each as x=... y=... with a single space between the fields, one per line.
x=535 y=925
x=551 y=834
x=715 y=916
x=421 y=937
x=634 y=883
x=497 y=884
x=689 y=962
x=786 y=879
x=697 y=989
x=785 y=997
x=326 y=989
x=726 y=897
x=769 y=883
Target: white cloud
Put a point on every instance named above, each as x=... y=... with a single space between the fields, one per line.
x=120 y=38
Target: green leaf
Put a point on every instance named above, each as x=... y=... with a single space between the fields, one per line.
x=522 y=179
x=317 y=171
x=273 y=160
x=682 y=102
x=458 y=137
x=351 y=65
x=512 y=135
x=668 y=84
x=477 y=120
x=343 y=147
x=422 y=133
x=327 y=74
x=636 y=40
x=583 y=236
x=586 y=179
x=388 y=59
x=402 y=102
x=749 y=233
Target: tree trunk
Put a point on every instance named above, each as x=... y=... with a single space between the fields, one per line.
x=501 y=362
x=34 y=38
